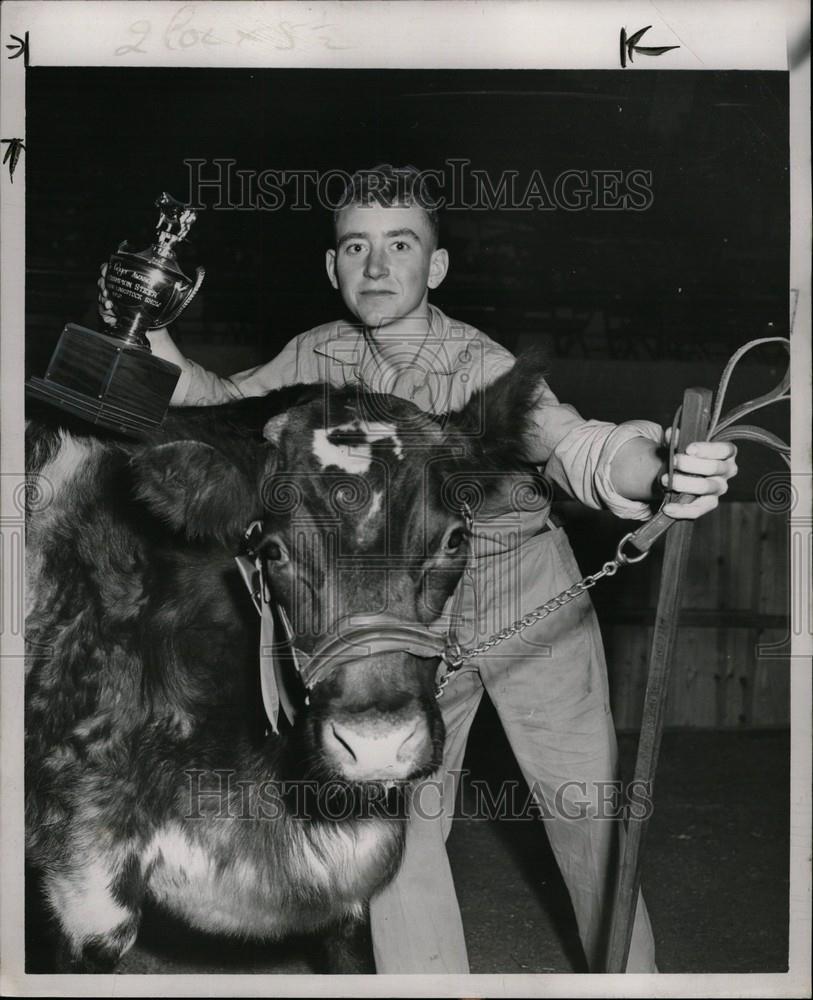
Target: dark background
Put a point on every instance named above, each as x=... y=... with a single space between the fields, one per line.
x=633 y=306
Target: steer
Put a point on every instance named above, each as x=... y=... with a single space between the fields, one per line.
x=151 y=769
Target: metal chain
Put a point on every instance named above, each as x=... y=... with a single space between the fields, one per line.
x=456 y=655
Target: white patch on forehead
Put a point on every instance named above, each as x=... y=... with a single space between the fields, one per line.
x=353 y=458
x=380 y=432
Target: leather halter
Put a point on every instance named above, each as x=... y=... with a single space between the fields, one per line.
x=369 y=635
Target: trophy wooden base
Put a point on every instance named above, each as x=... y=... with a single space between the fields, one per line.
x=102 y=380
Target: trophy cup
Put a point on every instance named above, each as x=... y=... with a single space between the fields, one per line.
x=112 y=378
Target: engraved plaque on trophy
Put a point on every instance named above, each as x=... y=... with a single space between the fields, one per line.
x=112 y=378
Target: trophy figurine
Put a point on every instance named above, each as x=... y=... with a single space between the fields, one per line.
x=112 y=378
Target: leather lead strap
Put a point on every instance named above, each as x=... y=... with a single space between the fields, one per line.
x=725 y=428
x=694 y=424
x=701 y=420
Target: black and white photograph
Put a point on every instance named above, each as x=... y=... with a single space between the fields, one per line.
x=406 y=559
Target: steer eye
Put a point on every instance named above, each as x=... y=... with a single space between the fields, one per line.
x=454 y=540
x=275 y=553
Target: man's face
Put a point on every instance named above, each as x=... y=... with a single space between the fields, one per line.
x=385 y=262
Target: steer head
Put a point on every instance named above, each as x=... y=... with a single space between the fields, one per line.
x=362 y=519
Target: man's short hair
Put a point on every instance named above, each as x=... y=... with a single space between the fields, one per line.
x=390 y=186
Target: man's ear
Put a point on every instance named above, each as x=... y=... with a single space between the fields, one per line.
x=438 y=266
x=330 y=265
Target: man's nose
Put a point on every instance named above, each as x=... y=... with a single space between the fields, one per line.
x=377 y=266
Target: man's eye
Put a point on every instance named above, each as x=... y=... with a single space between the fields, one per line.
x=355 y=248
x=401 y=245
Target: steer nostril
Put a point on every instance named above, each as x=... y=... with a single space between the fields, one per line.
x=344 y=743
x=412 y=743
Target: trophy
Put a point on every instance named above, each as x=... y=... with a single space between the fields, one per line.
x=112 y=378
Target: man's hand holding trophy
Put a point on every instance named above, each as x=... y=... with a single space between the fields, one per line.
x=112 y=378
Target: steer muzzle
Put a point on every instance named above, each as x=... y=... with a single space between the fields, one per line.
x=379 y=719
x=365 y=750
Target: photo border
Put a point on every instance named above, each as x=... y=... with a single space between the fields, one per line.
x=414 y=33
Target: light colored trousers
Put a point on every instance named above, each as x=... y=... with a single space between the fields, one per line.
x=549 y=686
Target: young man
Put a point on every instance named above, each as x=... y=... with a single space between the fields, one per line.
x=549 y=685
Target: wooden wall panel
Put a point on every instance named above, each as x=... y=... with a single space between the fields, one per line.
x=735 y=599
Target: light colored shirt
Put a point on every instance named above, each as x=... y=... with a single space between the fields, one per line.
x=437 y=369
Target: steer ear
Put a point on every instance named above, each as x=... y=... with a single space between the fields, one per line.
x=197 y=489
x=500 y=423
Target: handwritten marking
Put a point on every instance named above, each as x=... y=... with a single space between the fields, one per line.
x=243 y=36
x=137 y=27
x=186 y=35
x=182 y=32
x=21 y=45
x=12 y=155
x=630 y=45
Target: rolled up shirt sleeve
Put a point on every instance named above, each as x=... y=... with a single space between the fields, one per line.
x=581 y=453
x=294 y=365
x=199 y=387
